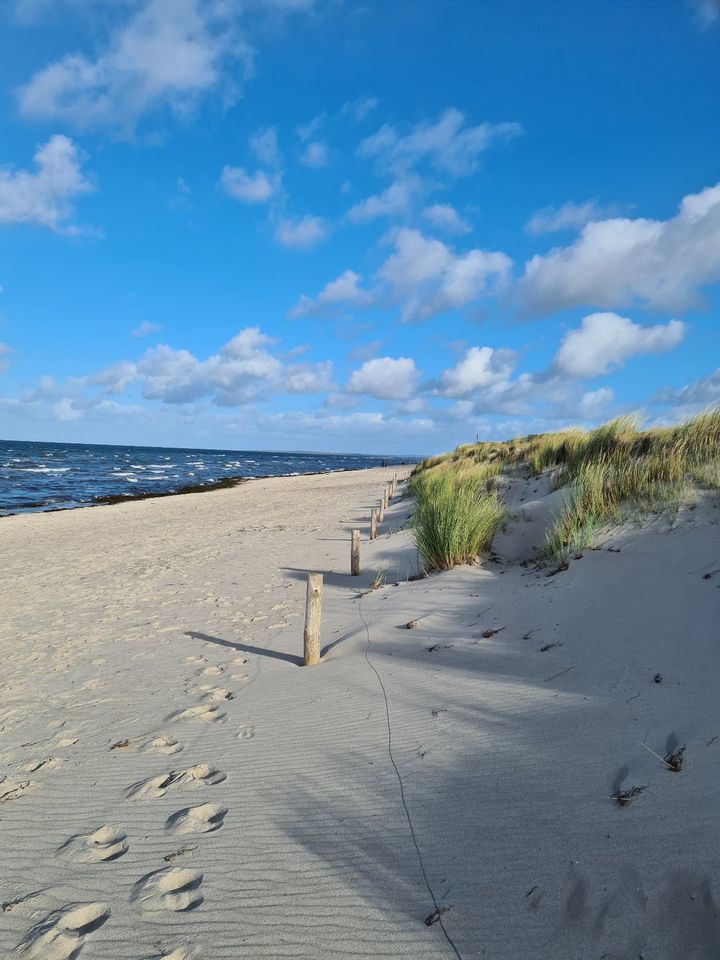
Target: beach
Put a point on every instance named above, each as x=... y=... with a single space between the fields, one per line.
x=178 y=785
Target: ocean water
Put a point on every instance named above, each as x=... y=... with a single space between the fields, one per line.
x=59 y=476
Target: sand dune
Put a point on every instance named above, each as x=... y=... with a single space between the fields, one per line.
x=175 y=785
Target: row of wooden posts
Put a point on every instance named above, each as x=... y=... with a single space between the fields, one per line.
x=313 y=603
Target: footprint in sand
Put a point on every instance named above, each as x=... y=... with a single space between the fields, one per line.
x=153 y=788
x=159 y=744
x=201 y=712
x=171 y=889
x=216 y=693
x=211 y=671
x=107 y=843
x=245 y=733
x=48 y=763
x=11 y=789
x=61 y=935
x=203 y=819
x=67 y=741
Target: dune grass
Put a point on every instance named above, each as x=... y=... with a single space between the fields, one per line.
x=607 y=472
x=457 y=512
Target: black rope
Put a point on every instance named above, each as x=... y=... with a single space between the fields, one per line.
x=402 y=788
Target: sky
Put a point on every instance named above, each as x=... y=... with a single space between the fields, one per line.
x=374 y=227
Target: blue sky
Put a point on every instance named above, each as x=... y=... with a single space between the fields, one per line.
x=372 y=227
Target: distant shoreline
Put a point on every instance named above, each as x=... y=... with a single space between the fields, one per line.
x=225 y=483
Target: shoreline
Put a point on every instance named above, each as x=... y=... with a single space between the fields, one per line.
x=224 y=483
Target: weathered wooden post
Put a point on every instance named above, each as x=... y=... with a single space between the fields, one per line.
x=381 y=510
x=313 y=609
x=373 y=523
x=355 y=553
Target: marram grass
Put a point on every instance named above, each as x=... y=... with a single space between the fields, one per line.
x=606 y=472
x=457 y=513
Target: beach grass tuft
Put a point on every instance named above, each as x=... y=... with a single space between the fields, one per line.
x=607 y=473
x=457 y=512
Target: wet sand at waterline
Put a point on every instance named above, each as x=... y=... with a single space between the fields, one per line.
x=176 y=784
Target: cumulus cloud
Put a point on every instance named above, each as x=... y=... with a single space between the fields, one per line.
x=423 y=276
x=480 y=367
x=44 y=196
x=661 y=264
x=570 y=216
x=396 y=199
x=345 y=289
x=246 y=369
x=385 y=378
x=258 y=187
x=168 y=54
x=302 y=234
x=604 y=341
x=445 y=217
x=446 y=145
x=428 y=278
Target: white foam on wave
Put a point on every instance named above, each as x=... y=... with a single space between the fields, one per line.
x=44 y=469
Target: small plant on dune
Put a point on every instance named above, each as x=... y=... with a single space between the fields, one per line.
x=457 y=514
x=380 y=577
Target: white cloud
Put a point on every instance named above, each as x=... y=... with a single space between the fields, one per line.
x=360 y=109
x=423 y=276
x=315 y=154
x=168 y=54
x=250 y=188
x=344 y=289
x=447 y=145
x=145 y=329
x=604 y=341
x=479 y=368
x=594 y=403
x=662 y=264
x=570 y=216
x=396 y=199
x=306 y=131
x=694 y=396
x=302 y=234
x=44 y=196
x=445 y=217
x=309 y=378
x=428 y=278
x=385 y=378
x=264 y=144
x=242 y=371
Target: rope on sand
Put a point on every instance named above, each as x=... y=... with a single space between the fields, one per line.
x=438 y=911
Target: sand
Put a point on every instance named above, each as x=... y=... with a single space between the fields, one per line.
x=177 y=785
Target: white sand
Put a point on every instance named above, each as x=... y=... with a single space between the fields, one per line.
x=250 y=808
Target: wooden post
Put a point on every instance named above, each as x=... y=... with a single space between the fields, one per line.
x=313 y=609
x=355 y=554
x=381 y=511
x=373 y=523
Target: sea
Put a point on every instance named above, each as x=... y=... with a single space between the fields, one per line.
x=62 y=476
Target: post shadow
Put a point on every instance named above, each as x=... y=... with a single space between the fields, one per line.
x=246 y=648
